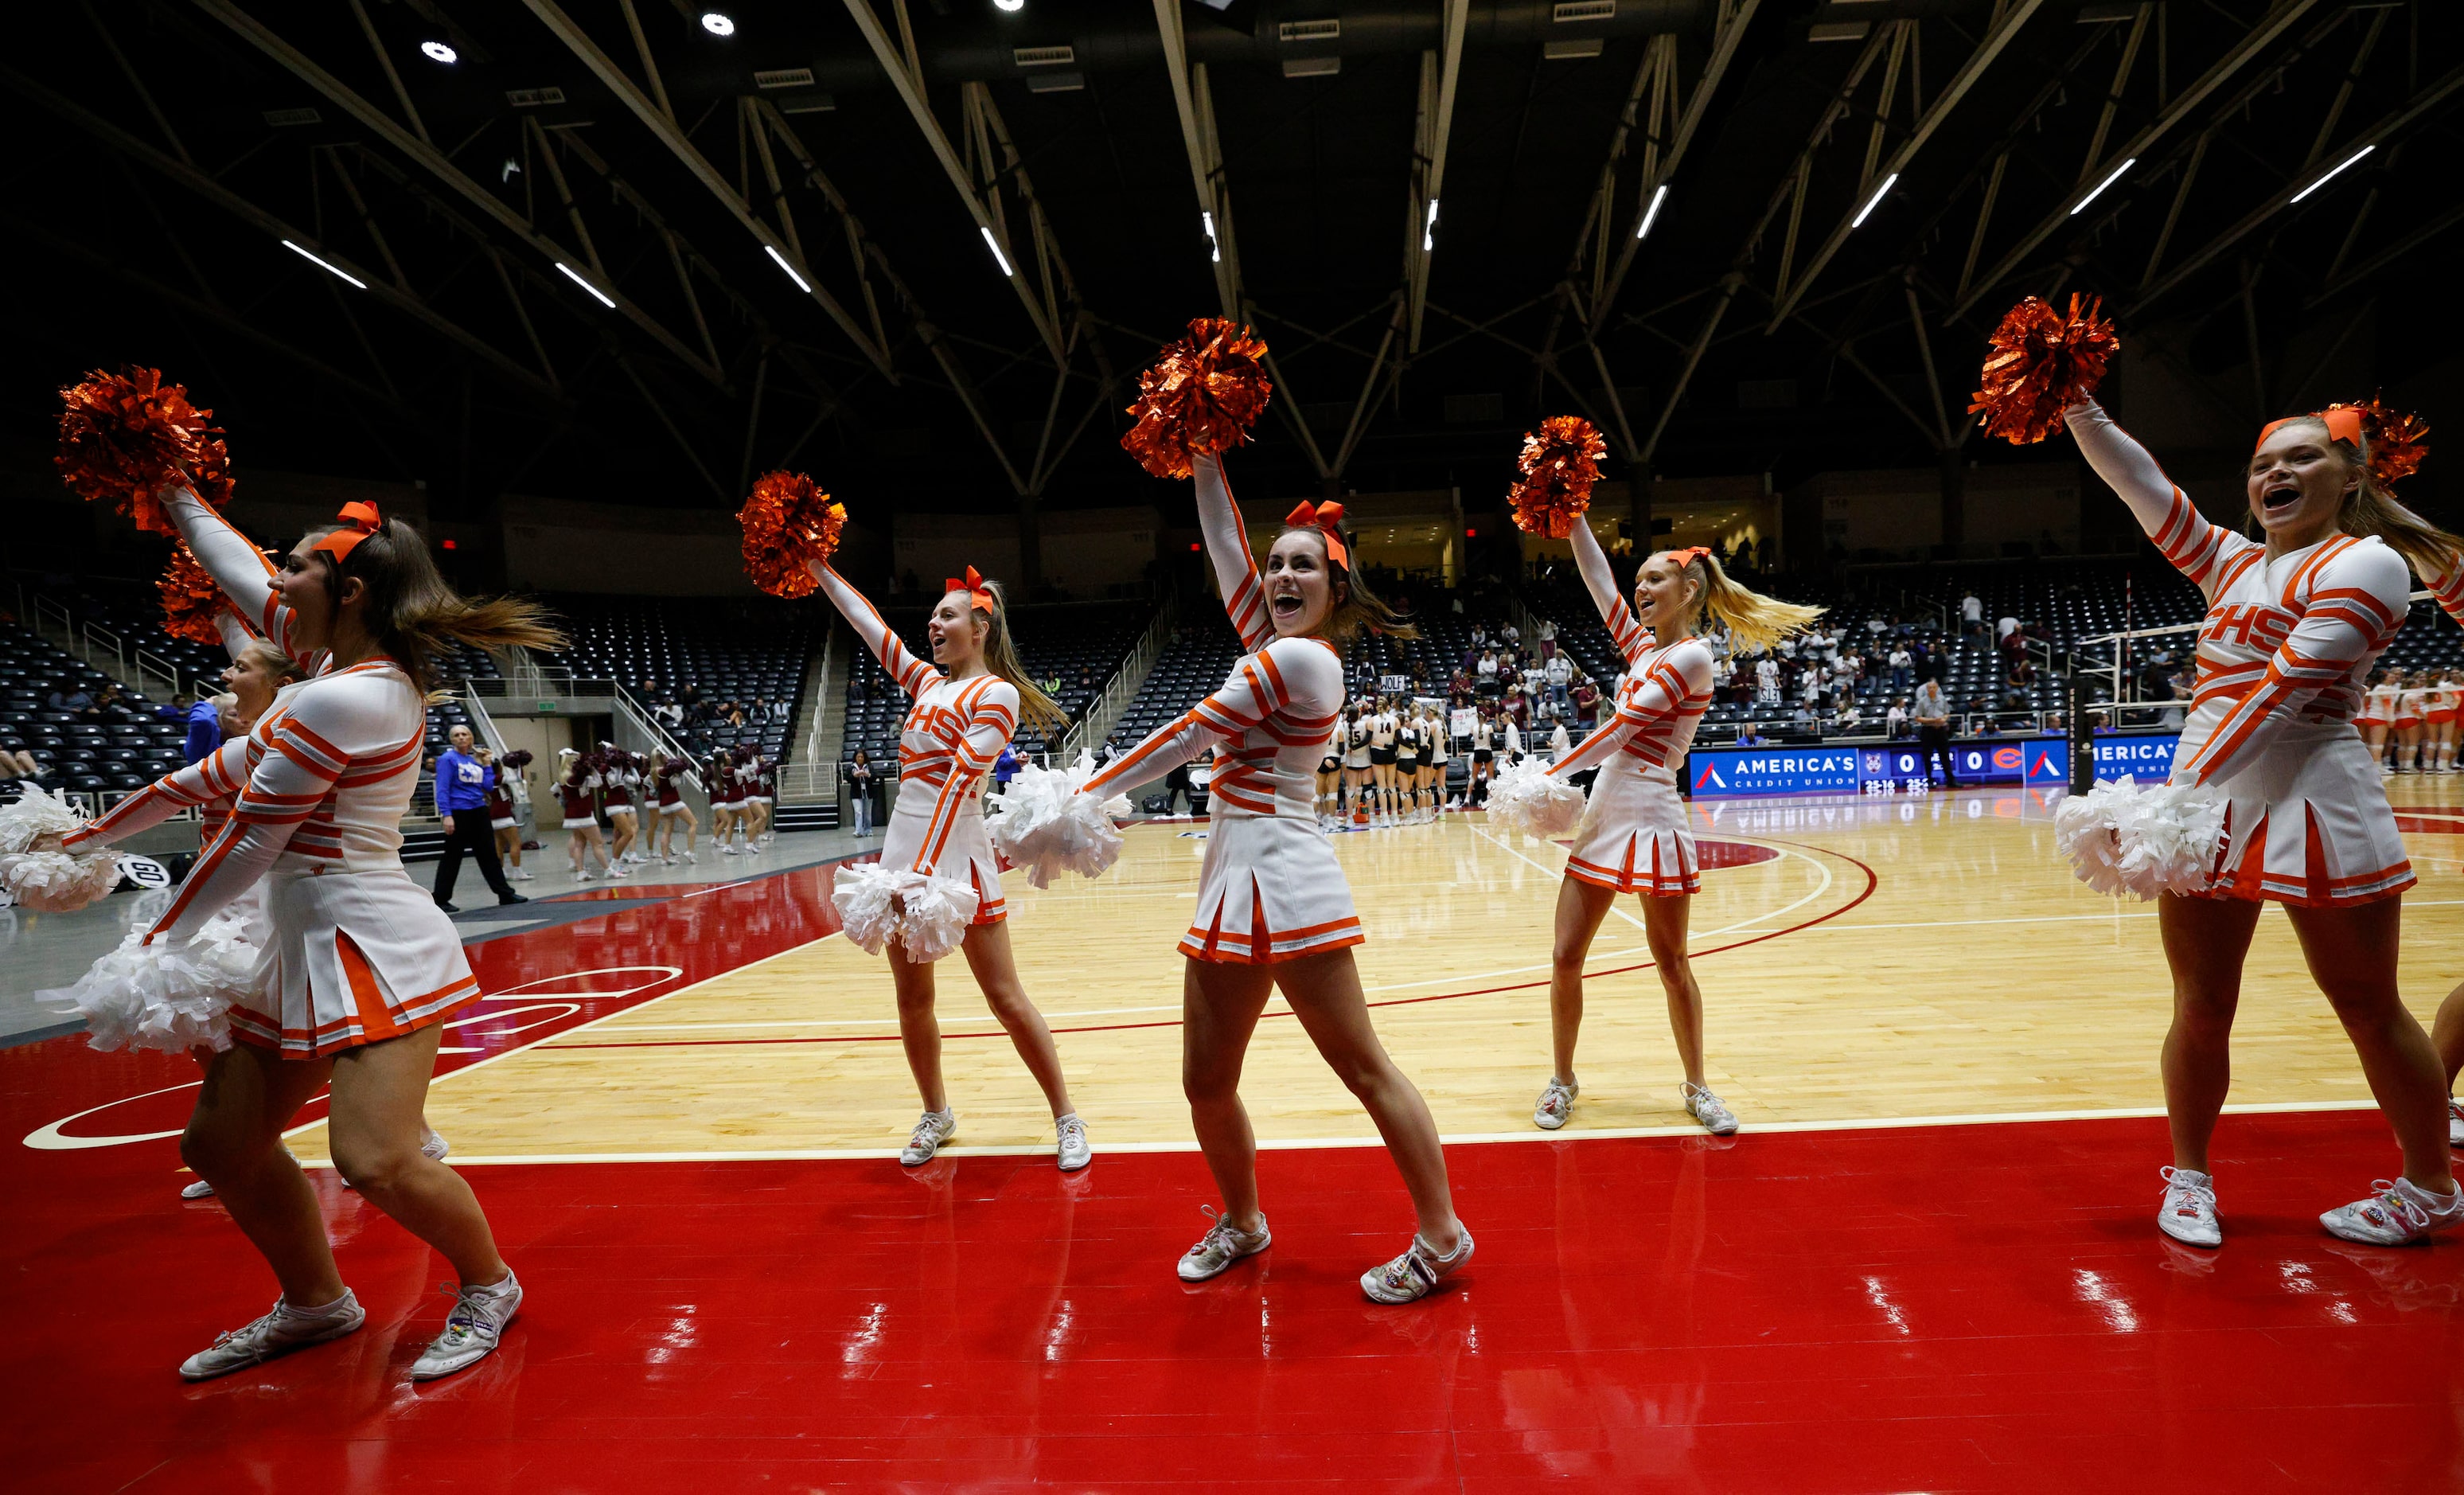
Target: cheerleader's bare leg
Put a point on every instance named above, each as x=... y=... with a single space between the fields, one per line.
x=233 y=1141
x=2205 y=942
x=1581 y=907
x=623 y=825
x=1663 y=925
x=2351 y=950
x=1220 y=1005
x=375 y=1129
x=988 y=956
x=919 y=1031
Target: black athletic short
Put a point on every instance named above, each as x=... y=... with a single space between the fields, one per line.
x=1381 y=757
x=1328 y=765
x=1483 y=756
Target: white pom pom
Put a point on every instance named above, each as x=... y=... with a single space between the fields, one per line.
x=934 y=915
x=2169 y=842
x=2120 y=838
x=34 y=816
x=1047 y=822
x=2087 y=829
x=59 y=882
x=171 y=999
x=1525 y=797
x=861 y=892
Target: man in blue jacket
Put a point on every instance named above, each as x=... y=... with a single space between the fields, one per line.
x=463 y=776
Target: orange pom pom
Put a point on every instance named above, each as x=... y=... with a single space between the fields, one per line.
x=192 y=601
x=1560 y=462
x=2040 y=363
x=1203 y=395
x=2398 y=441
x=123 y=436
x=790 y=526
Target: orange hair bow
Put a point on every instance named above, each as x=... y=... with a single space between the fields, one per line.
x=2343 y=424
x=1326 y=518
x=1691 y=554
x=359 y=521
x=973 y=585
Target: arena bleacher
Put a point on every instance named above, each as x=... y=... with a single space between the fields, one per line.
x=740 y=652
x=119 y=748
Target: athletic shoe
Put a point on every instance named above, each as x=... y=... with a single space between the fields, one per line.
x=584 y=875
x=478 y=1318
x=1709 y=1110
x=520 y=875
x=620 y=870
x=509 y=898
x=934 y=1129
x=727 y=848
x=667 y=861
x=1412 y=1276
x=432 y=1145
x=2188 y=1213
x=692 y=860
x=2398 y=1214
x=443 y=906
x=199 y=1190
x=277 y=1334
x=2455 y=1122
x=1075 y=1153
x=1223 y=1245
x=1556 y=1103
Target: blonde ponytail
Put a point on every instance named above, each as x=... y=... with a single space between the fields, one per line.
x=1000 y=657
x=1754 y=622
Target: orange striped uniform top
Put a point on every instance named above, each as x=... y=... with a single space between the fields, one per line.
x=1658 y=708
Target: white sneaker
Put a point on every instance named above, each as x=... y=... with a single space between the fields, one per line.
x=2398 y=1214
x=1074 y=1152
x=199 y=1190
x=1413 y=1275
x=620 y=870
x=519 y=874
x=584 y=875
x=1223 y=1245
x=667 y=861
x=1556 y=1103
x=2188 y=1213
x=472 y=1330
x=692 y=860
x=934 y=1129
x=432 y=1144
x=277 y=1334
x=727 y=848
x=1709 y=1110
x=2455 y=1122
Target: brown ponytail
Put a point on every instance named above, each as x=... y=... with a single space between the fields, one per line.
x=415 y=616
x=1000 y=657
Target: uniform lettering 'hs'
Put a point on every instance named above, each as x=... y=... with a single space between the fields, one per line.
x=2252 y=625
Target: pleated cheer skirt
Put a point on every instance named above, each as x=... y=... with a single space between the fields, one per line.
x=2308 y=822
x=964 y=852
x=1270 y=890
x=1633 y=837
x=351 y=957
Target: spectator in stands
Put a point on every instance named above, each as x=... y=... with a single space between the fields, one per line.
x=1514 y=707
x=671 y=714
x=204 y=725
x=1748 y=735
x=1005 y=767
x=855 y=687
x=1558 y=673
x=1586 y=699
x=73 y=699
x=1766 y=681
x=1932 y=711
x=1922 y=660
x=1846 y=720
x=1548 y=640
x=1971 y=615
x=1895 y=723
x=1485 y=670
x=463 y=777
x=860 y=787
x=761 y=711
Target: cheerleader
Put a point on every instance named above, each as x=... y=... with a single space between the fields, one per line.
x=2440 y=708
x=2409 y=693
x=726 y=800
x=618 y=782
x=1273 y=910
x=673 y=810
x=504 y=817
x=360 y=969
x=1358 y=777
x=760 y=792
x=2292 y=625
x=1633 y=837
x=2377 y=720
x=965 y=712
x=577 y=790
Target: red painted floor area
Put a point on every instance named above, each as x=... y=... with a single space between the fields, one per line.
x=1952 y=1308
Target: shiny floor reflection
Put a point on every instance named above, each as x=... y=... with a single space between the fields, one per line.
x=1955 y=1307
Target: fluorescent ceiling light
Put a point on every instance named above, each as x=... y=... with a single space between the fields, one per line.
x=575 y=276
x=774 y=253
x=2101 y=185
x=1429 y=230
x=1217 y=245
x=328 y=266
x=436 y=52
x=1874 y=201
x=718 y=23
x=2331 y=176
x=999 y=257
x=1011 y=5
x=1652 y=212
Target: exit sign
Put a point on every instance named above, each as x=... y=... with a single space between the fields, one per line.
x=547 y=706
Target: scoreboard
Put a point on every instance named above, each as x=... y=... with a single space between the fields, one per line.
x=1901 y=767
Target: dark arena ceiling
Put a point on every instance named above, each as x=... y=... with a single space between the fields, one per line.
x=578 y=242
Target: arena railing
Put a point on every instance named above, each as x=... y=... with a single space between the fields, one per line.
x=1106 y=709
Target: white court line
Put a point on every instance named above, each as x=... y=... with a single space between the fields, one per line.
x=1452 y=1138
x=1558 y=871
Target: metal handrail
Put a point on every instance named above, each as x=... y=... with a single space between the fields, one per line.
x=1118 y=692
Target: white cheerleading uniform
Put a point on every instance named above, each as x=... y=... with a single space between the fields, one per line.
x=2284 y=654
x=1270 y=889
x=954 y=734
x=1634 y=836
x=355 y=951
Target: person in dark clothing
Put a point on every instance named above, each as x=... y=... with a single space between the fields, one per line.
x=463 y=776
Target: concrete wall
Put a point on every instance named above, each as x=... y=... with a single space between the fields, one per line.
x=1085 y=551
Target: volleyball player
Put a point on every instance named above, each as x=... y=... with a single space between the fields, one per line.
x=2307 y=822
x=1633 y=837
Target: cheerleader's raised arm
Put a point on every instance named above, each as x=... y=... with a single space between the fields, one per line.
x=240 y=569
x=1227 y=549
x=913 y=674
x=1601 y=581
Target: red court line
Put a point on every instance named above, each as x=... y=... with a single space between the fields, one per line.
x=1872 y=881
